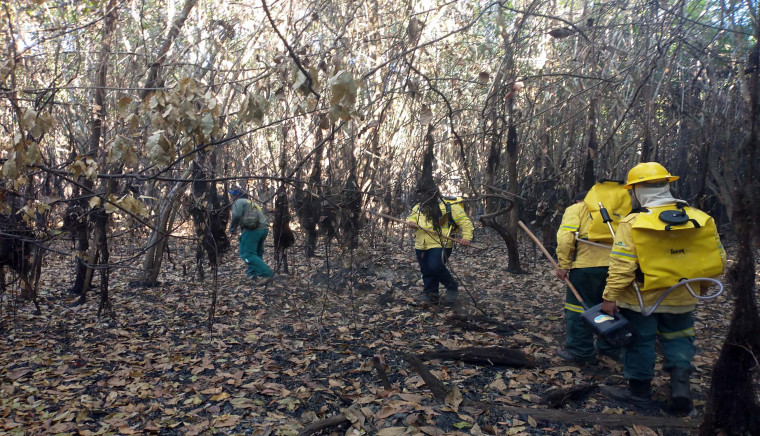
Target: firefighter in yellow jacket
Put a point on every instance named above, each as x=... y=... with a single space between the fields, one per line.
x=434 y=217
x=586 y=267
x=641 y=255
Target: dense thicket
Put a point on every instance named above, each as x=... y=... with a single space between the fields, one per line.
x=150 y=110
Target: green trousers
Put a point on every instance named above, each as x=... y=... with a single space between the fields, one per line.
x=675 y=331
x=251 y=251
x=579 y=337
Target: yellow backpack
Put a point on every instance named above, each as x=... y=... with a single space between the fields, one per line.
x=615 y=199
x=675 y=243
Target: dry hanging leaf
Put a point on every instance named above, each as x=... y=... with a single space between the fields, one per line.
x=426 y=115
x=414 y=29
x=563 y=32
x=122 y=106
x=324 y=122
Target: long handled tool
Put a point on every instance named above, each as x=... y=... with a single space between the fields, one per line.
x=429 y=232
x=615 y=330
x=552 y=261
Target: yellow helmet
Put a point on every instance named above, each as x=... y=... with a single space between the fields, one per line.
x=648 y=172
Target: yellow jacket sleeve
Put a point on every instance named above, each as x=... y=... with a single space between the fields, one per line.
x=462 y=221
x=414 y=215
x=623 y=264
x=570 y=224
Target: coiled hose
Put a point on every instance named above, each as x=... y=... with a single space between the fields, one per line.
x=670 y=289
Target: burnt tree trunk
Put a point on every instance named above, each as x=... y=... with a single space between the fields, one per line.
x=647 y=144
x=732 y=406
x=100 y=223
x=308 y=201
x=76 y=222
x=207 y=213
x=154 y=79
x=84 y=274
x=593 y=145
x=351 y=208
x=283 y=235
x=498 y=102
x=510 y=238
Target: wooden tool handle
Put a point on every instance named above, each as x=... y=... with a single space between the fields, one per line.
x=431 y=233
x=551 y=259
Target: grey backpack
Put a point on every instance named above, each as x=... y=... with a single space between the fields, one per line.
x=251 y=218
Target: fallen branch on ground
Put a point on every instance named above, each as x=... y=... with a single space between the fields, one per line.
x=380 y=368
x=472 y=322
x=603 y=419
x=484 y=356
x=556 y=398
x=323 y=424
x=438 y=389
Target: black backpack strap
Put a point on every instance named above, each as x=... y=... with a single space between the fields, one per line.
x=448 y=212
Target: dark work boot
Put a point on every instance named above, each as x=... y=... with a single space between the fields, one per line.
x=570 y=357
x=429 y=298
x=680 y=402
x=450 y=297
x=639 y=393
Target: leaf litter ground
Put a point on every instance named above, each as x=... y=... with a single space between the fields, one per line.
x=300 y=350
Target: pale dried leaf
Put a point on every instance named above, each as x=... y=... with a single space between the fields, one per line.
x=454 y=399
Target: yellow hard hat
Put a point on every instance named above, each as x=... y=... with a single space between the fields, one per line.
x=648 y=172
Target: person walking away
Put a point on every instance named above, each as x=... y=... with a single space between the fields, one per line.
x=254 y=229
x=661 y=242
x=432 y=218
x=586 y=266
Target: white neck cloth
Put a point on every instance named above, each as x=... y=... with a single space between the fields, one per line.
x=652 y=195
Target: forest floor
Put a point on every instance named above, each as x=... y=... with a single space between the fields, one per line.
x=301 y=350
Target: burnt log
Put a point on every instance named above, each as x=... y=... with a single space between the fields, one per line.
x=479 y=323
x=608 y=420
x=315 y=427
x=439 y=390
x=496 y=356
x=377 y=362
x=557 y=398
